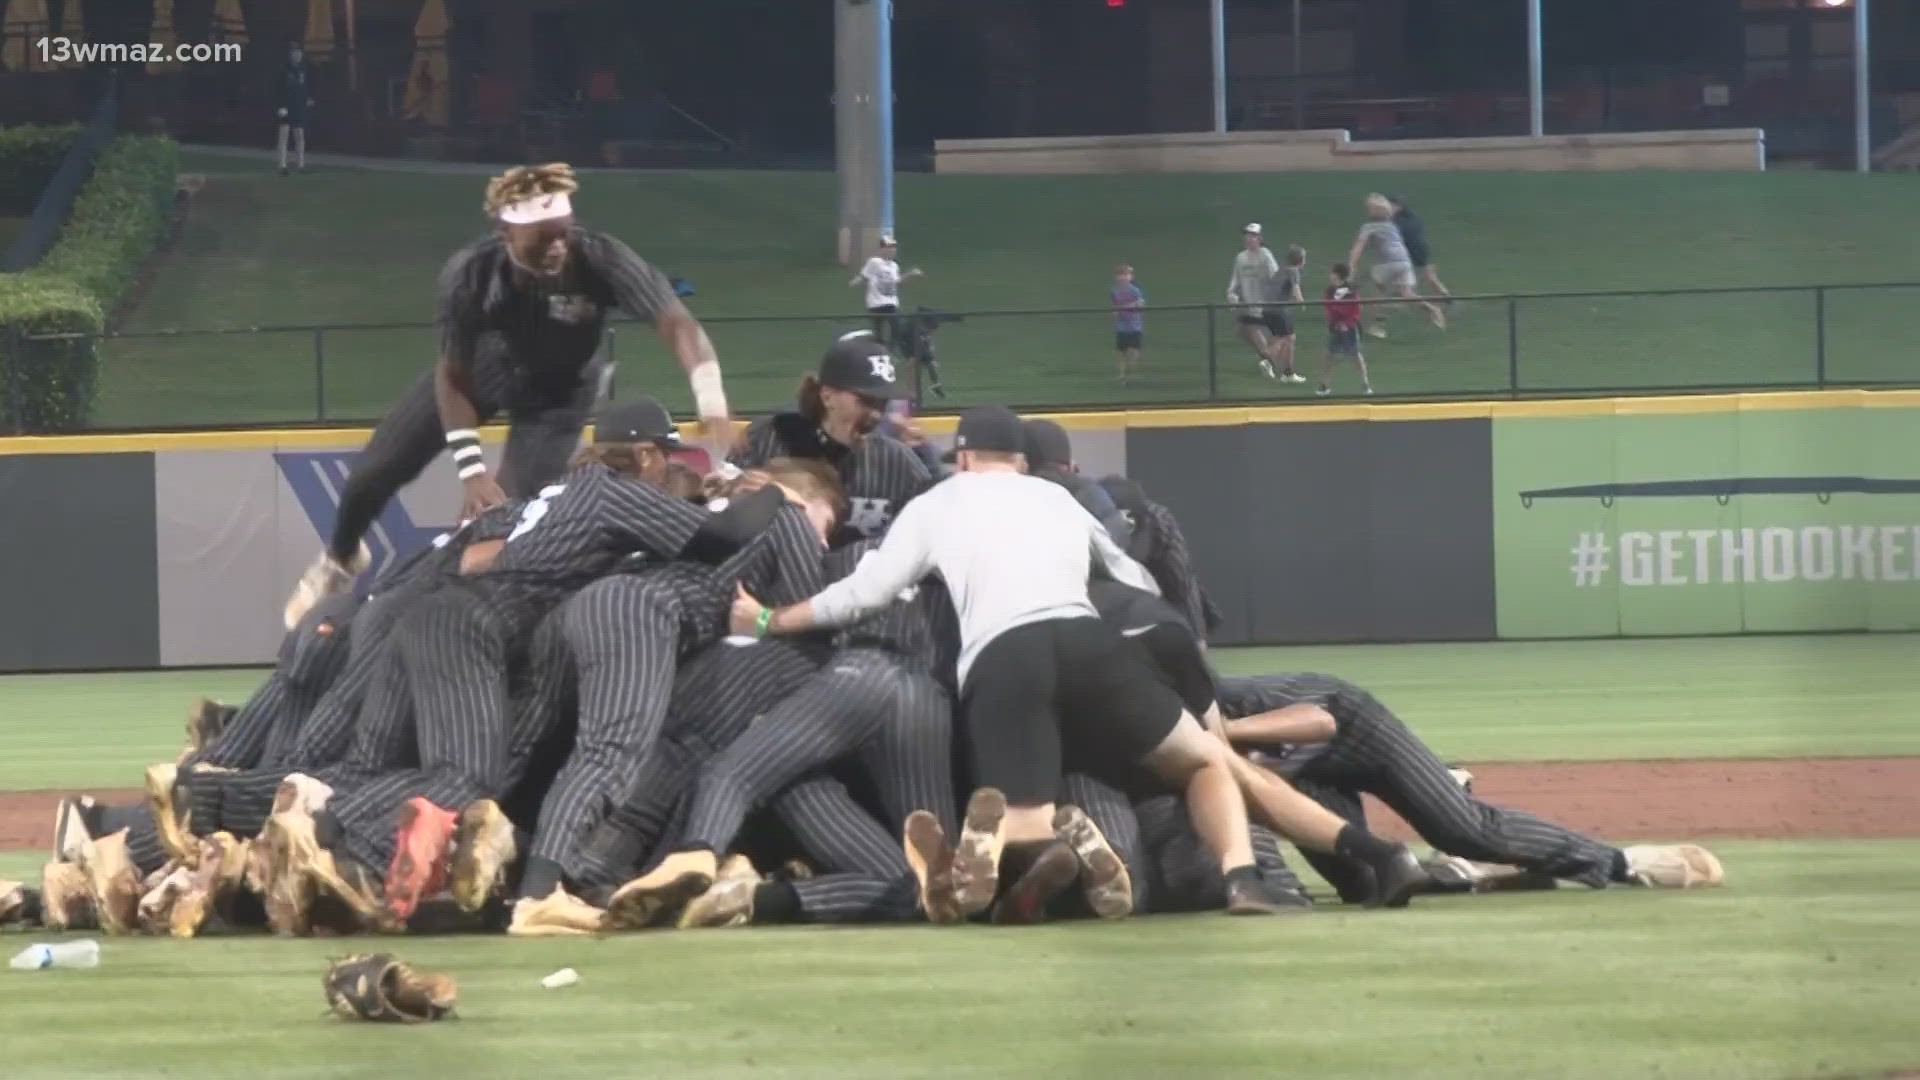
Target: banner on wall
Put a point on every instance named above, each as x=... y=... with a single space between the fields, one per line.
x=1721 y=522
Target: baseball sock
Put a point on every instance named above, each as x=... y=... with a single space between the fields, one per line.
x=542 y=876
x=777 y=902
x=327 y=829
x=1620 y=871
x=1247 y=873
x=1357 y=843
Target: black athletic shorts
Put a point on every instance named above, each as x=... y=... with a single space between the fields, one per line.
x=1278 y=324
x=1128 y=339
x=1041 y=691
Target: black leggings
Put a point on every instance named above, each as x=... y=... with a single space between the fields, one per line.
x=886 y=324
x=543 y=438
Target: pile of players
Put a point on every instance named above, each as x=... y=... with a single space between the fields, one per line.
x=623 y=702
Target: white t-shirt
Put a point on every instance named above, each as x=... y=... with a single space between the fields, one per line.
x=1013 y=549
x=883 y=282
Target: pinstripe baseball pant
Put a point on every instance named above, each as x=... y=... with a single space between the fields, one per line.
x=1373 y=752
x=623 y=634
x=868 y=879
x=716 y=694
x=843 y=710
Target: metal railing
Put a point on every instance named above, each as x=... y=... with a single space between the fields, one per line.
x=1495 y=346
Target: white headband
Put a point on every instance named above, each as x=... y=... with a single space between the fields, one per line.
x=538 y=208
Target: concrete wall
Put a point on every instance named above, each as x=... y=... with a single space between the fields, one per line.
x=1742 y=150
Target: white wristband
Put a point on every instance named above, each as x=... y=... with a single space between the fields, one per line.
x=709 y=393
x=468 y=472
x=460 y=435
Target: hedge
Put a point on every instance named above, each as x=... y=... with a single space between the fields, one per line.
x=118 y=219
x=29 y=156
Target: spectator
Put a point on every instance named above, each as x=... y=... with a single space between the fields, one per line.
x=1129 y=321
x=1343 y=327
x=296 y=97
x=882 y=277
x=1282 y=288
x=1248 y=289
x=1413 y=232
x=1392 y=265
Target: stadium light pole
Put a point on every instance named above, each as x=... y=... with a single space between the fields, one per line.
x=1536 y=101
x=1217 y=17
x=1862 y=92
x=863 y=124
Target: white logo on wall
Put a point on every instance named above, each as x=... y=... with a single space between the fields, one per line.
x=1766 y=555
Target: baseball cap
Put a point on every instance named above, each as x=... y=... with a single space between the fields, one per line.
x=1252 y=227
x=993 y=428
x=642 y=419
x=864 y=366
x=1048 y=445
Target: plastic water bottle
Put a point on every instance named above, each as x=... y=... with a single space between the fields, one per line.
x=84 y=953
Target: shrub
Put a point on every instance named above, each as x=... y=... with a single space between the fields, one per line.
x=29 y=156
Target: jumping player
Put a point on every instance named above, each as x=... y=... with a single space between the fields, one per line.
x=522 y=316
x=1343 y=328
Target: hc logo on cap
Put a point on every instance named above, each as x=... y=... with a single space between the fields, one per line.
x=882 y=366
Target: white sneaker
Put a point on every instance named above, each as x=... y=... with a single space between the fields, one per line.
x=1266 y=369
x=1368 y=391
x=1323 y=391
x=323 y=579
x=1378 y=332
x=1295 y=377
x=1676 y=866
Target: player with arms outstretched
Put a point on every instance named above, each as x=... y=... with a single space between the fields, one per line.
x=522 y=316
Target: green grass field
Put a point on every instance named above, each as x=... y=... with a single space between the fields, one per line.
x=347 y=246
x=1801 y=967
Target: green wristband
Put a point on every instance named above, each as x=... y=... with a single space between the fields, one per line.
x=763 y=623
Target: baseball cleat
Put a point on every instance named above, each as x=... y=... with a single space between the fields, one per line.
x=206 y=720
x=326 y=577
x=656 y=896
x=558 y=914
x=1396 y=879
x=483 y=848
x=1103 y=876
x=74 y=822
x=175 y=836
x=155 y=911
x=1674 y=866
x=729 y=902
x=13 y=901
x=286 y=893
x=1258 y=896
x=423 y=840
x=221 y=859
x=1053 y=872
x=1461 y=777
x=65 y=901
x=113 y=883
x=931 y=859
x=976 y=858
x=301 y=793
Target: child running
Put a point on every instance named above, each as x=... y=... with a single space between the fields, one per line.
x=1343 y=328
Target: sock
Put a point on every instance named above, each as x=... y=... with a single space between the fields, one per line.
x=541 y=877
x=1247 y=873
x=1620 y=871
x=327 y=829
x=1357 y=843
x=777 y=902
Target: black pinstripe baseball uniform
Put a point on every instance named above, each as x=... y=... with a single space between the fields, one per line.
x=877 y=698
x=1373 y=752
x=626 y=634
x=716 y=693
x=322 y=742
x=311 y=657
x=454 y=646
x=527 y=347
x=1159 y=545
x=880 y=475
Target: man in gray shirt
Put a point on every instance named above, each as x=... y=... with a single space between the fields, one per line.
x=1392 y=265
x=1249 y=290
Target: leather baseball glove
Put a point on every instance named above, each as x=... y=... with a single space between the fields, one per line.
x=378 y=987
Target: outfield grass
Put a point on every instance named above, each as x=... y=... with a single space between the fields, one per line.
x=340 y=246
x=1524 y=701
x=1794 y=970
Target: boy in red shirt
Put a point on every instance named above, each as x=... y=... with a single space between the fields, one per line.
x=1343 y=328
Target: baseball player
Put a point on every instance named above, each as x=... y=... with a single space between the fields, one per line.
x=1349 y=743
x=1037 y=668
x=625 y=635
x=879 y=697
x=1159 y=545
x=1050 y=457
x=840 y=409
x=522 y=316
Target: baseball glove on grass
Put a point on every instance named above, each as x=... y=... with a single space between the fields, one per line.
x=379 y=987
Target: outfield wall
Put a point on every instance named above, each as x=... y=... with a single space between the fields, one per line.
x=1736 y=149
x=1443 y=522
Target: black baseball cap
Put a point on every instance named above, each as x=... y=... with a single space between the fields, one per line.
x=642 y=419
x=1048 y=446
x=861 y=364
x=993 y=428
